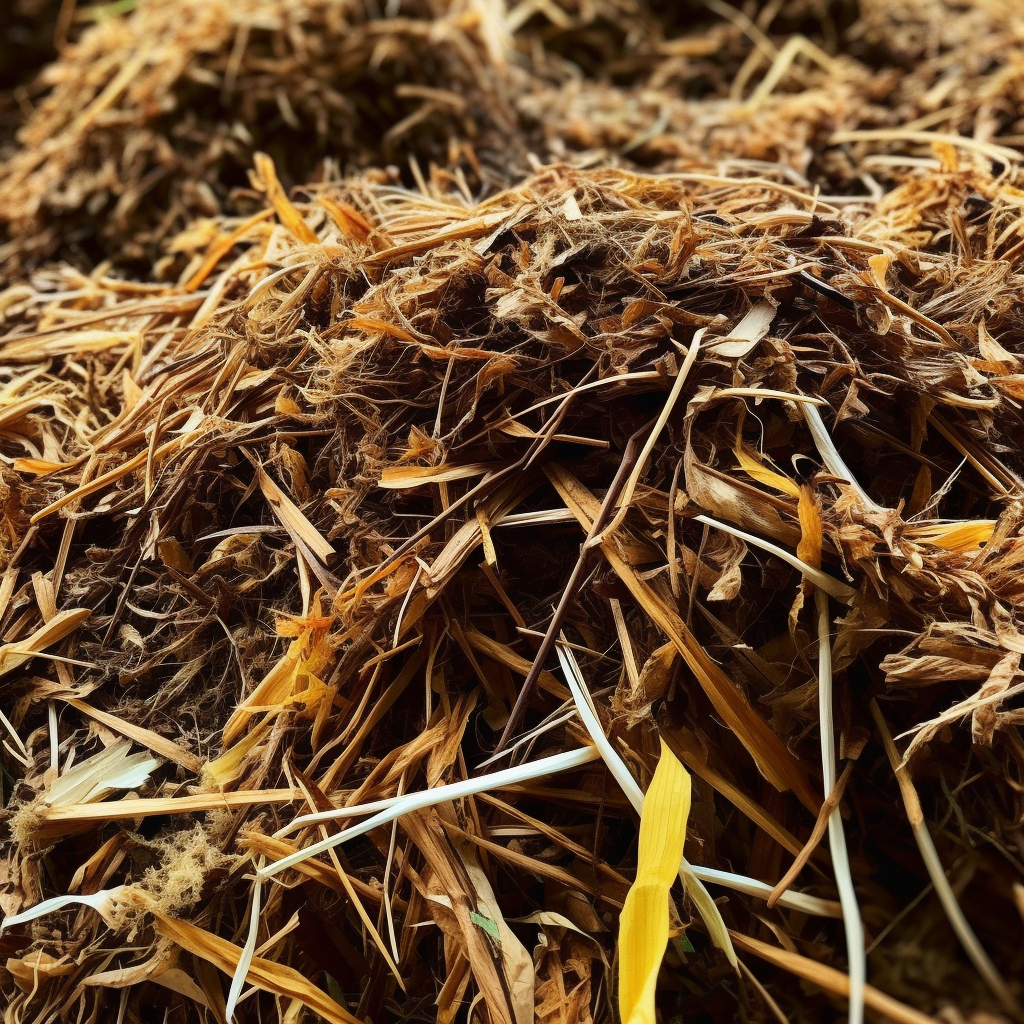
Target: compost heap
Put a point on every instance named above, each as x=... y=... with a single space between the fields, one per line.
x=354 y=355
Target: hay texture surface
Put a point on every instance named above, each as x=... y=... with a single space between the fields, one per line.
x=388 y=391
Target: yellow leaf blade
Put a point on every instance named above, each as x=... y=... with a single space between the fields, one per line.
x=763 y=475
x=643 y=924
x=811 y=531
x=960 y=537
x=643 y=936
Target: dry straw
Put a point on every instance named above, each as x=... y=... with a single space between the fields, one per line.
x=421 y=414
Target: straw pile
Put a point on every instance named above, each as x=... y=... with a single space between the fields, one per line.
x=394 y=396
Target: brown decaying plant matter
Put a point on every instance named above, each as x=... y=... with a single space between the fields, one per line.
x=326 y=331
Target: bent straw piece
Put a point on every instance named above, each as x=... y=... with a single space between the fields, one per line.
x=100 y=901
x=13 y=655
x=292 y=518
x=221 y=246
x=794 y=47
x=619 y=379
x=852 y=924
x=833 y=587
x=831 y=457
x=270 y=280
x=111 y=476
x=342 y=812
x=22 y=752
x=930 y=855
x=786 y=396
x=452 y=791
x=757 y=470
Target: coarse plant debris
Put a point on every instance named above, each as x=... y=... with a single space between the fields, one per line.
x=421 y=420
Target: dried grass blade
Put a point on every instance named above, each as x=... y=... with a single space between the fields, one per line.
x=292 y=519
x=111 y=476
x=92 y=779
x=287 y=213
x=515 y=960
x=406 y=477
x=264 y=974
x=475 y=228
x=221 y=247
x=144 y=737
x=962 y=537
x=759 y=472
x=831 y=980
x=427 y=798
x=930 y=855
x=13 y=655
x=326 y=875
x=59 y=820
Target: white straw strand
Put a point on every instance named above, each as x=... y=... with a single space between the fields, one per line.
x=852 y=924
